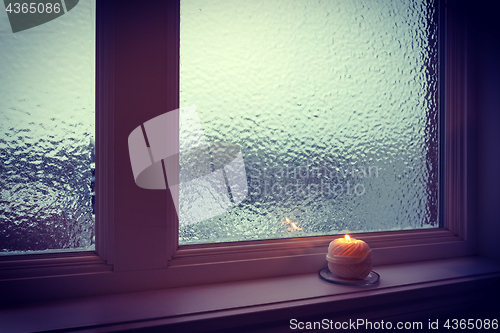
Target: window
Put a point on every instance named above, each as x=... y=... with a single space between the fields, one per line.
x=137 y=233
x=334 y=106
x=47 y=127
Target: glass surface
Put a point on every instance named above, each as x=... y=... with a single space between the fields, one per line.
x=334 y=105
x=47 y=130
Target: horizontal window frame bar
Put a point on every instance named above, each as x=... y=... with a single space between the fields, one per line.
x=309 y=245
x=50 y=264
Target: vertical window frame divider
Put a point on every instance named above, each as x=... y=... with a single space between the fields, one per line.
x=104 y=203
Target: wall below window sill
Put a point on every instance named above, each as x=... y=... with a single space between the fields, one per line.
x=420 y=287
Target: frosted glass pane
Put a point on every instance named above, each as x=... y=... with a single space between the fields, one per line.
x=46 y=132
x=334 y=105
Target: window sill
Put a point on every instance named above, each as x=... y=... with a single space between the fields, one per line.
x=423 y=285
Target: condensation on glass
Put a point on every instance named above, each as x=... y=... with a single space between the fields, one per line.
x=334 y=105
x=47 y=132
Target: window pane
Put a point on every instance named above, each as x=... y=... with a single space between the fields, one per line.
x=334 y=105
x=47 y=127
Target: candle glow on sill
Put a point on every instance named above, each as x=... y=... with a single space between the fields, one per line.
x=347 y=238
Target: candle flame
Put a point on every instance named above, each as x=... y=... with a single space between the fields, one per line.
x=293 y=225
x=347 y=238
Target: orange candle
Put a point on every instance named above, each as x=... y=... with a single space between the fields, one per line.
x=349 y=258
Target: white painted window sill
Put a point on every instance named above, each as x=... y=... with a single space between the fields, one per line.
x=264 y=300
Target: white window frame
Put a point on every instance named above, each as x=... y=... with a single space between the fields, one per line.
x=137 y=229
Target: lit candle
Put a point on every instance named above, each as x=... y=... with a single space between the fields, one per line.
x=349 y=258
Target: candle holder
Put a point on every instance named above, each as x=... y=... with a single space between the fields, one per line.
x=372 y=279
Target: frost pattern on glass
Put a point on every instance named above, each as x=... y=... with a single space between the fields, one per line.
x=334 y=105
x=46 y=133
